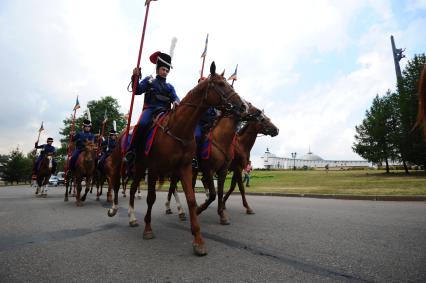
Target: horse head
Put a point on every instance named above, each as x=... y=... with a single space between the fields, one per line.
x=263 y=124
x=89 y=151
x=220 y=94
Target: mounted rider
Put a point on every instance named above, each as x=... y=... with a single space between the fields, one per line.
x=159 y=95
x=107 y=147
x=47 y=148
x=80 y=138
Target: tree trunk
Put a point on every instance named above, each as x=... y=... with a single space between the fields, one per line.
x=387 y=166
x=405 y=167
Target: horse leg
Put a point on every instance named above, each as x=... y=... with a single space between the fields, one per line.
x=139 y=192
x=67 y=183
x=220 y=184
x=240 y=183
x=231 y=190
x=88 y=186
x=133 y=222
x=207 y=180
x=124 y=181
x=186 y=180
x=45 y=184
x=181 y=212
x=150 y=199
x=169 y=197
x=78 y=181
x=115 y=179
x=98 y=190
x=109 y=191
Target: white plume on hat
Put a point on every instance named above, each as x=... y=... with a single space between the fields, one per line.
x=172 y=46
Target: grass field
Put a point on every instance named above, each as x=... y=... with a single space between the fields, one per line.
x=359 y=182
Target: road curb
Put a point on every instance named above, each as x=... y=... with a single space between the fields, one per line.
x=344 y=197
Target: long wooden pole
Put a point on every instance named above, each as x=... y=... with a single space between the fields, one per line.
x=69 y=144
x=135 y=82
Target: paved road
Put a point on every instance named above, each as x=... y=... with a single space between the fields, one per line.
x=287 y=240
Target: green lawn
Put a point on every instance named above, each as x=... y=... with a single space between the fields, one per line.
x=362 y=182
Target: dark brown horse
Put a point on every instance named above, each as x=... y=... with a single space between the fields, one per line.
x=174 y=147
x=421 y=113
x=85 y=168
x=43 y=174
x=102 y=175
x=221 y=155
x=258 y=123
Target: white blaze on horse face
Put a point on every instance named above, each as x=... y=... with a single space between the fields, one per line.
x=132 y=216
x=50 y=161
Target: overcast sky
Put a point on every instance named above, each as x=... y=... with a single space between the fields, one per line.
x=313 y=66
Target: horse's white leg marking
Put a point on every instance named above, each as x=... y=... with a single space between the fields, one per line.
x=178 y=204
x=132 y=216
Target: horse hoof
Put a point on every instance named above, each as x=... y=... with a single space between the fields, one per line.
x=97 y=198
x=148 y=235
x=65 y=199
x=44 y=195
x=124 y=195
x=250 y=211
x=224 y=221
x=169 y=211
x=182 y=216
x=133 y=223
x=139 y=197
x=199 y=249
x=112 y=212
x=79 y=204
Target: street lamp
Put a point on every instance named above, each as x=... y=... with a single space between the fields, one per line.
x=293 y=154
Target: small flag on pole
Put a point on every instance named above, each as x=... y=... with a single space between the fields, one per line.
x=234 y=75
x=105 y=117
x=41 y=128
x=205 y=48
x=77 y=104
x=147 y=1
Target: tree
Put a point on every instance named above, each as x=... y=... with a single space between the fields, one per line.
x=412 y=145
x=18 y=167
x=373 y=140
x=97 y=111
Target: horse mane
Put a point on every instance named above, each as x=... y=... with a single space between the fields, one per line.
x=421 y=112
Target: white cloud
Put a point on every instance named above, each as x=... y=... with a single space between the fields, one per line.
x=58 y=49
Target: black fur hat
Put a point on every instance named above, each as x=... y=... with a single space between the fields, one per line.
x=87 y=123
x=49 y=139
x=112 y=132
x=161 y=59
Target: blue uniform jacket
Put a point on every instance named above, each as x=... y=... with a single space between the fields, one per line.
x=81 y=137
x=158 y=93
x=108 y=145
x=46 y=148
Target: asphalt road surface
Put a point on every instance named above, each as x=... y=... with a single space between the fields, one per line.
x=287 y=240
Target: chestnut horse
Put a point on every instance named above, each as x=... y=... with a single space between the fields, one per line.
x=85 y=167
x=421 y=113
x=221 y=155
x=258 y=123
x=43 y=175
x=173 y=149
x=102 y=175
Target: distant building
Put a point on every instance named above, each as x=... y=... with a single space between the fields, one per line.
x=309 y=160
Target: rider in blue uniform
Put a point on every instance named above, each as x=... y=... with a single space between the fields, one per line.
x=159 y=95
x=107 y=146
x=45 y=149
x=79 y=140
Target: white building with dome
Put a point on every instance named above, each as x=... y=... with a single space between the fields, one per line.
x=309 y=160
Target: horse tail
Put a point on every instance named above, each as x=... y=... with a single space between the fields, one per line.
x=421 y=112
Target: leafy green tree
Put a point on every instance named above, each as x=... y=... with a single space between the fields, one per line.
x=373 y=140
x=18 y=167
x=412 y=145
x=97 y=111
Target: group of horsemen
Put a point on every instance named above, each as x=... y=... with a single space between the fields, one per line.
x=159 y=95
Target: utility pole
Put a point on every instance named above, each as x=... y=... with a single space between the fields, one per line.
x=397 y=56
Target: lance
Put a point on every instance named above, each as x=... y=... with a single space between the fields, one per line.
x=135 y=82
x=70 y=141
x=204 y=56
x=39 y=131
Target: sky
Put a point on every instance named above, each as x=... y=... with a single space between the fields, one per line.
x=313 y=66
